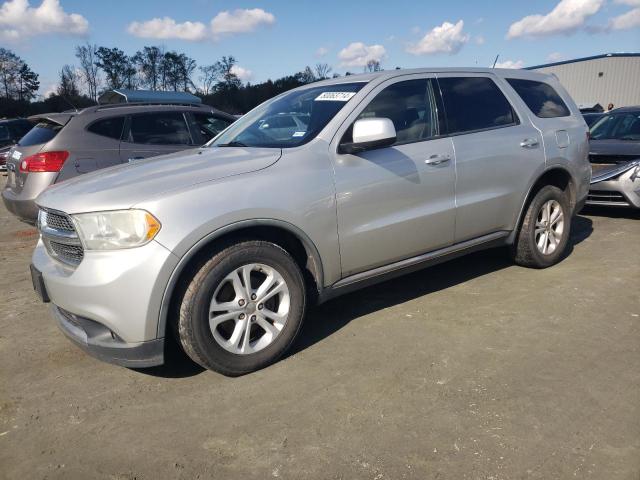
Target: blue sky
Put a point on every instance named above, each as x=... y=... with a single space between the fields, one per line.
x=274 y=38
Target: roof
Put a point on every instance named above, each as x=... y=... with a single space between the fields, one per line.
x=631 y=108
x=146 y=96
x=59 y=118
x=584 y=59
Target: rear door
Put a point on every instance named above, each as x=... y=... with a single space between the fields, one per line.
x=155 y=133
x=497 y=153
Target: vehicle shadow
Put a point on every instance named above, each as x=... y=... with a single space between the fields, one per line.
x=326 y=319
x=611 y=212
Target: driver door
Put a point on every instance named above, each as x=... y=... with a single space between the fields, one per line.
x=399 y=201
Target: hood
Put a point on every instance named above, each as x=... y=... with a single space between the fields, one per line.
x=126 y=185
x=613 y=148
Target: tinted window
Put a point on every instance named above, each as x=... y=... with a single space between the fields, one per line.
x=163 y=128
x=619 y=126
x=411 y=106
x=109 y=127
x=474 y=103
x=210 y=125
x=312 y=107
x=540 y=97
x=21 y=128
x=41 y=133
x=4 y=133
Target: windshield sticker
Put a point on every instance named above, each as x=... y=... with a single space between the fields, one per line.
x=298 y=134
x=335 y=96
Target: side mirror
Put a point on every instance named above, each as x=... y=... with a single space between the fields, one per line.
x=370 y=133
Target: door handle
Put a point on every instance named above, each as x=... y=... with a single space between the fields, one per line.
x=437 y=159
x=529 y=143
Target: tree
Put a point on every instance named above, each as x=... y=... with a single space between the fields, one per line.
x=87 y=55
x=68 y=86
x=28 y=83
x=117 y=66
x=210 y=75
x=228 y=79
x=307 y=76
x=322 y=70
x=373 y=66
x=149 y=63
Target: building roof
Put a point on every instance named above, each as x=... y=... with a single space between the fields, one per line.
x=584 y=59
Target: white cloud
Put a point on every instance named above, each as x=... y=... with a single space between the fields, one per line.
x=224 y=23
x=19 y=20
x=626 y=21
x=567 y=17
x=242 y=73
x=555 y=57
x=446 y=38
x=479 y=40
x=167 y=28
x=240 y=21
x=357 y=54
x=322 y=51
x=510 y=64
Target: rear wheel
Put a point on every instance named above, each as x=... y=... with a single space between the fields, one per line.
x=242 y=309
x=544 y=233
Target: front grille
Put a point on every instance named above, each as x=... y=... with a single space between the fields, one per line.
x=604 y=196
x=60 y=237
x=58 y=221
x=70 y=253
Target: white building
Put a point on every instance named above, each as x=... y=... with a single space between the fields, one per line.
x=608 y=78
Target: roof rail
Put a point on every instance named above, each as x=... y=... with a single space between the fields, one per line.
x=155 y=104
x=120 y=96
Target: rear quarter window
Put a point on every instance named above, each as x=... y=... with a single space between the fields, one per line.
x=474 y=104
x=108 y=127
x=540 y=97
x=43 y=132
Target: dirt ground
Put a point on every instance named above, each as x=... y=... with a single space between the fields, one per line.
x=474 y=369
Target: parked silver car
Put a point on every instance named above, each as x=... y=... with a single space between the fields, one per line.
x=134 y=125
x=227 y=245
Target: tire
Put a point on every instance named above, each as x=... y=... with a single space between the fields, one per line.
x=243 y=343
x=530 y=244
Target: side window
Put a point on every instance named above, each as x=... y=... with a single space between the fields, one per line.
x=475 y=103
x=412 y=108
x=162 y=128
x=540 y=97
x=108 y=127
x=209 y=125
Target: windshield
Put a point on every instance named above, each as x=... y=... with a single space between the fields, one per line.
x=290 y=120
x=617 y=126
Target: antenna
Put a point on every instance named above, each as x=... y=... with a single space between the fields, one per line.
x=495 y=61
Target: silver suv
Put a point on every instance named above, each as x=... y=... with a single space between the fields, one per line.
x=225 y=246
x=65 y=145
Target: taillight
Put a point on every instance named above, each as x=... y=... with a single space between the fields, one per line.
x=44 y=162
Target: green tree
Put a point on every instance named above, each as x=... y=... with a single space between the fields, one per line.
x=119 y=69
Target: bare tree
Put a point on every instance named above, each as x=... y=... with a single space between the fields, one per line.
x=307 y=75
x=373 y=66
x=322 y=70
x=210 y=75
x=89 y=69
x=149 y=62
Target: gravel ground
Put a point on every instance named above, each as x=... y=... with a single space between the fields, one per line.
x=474 y=369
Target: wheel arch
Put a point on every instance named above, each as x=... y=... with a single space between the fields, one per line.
x=557 y=176
x=284 y=234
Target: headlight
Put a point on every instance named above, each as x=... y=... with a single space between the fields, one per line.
x=116 y=229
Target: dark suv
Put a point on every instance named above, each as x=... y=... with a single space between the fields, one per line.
x=135 y=125
x=11 y=131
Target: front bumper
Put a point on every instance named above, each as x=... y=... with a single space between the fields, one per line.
x=98 y=341
x=109 y=304
x=621 y=190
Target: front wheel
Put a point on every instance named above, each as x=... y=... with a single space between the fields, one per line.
x=544 y=232
x=242 y=309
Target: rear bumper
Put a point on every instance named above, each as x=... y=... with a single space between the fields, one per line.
x=25 y=210
x=98 y=341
